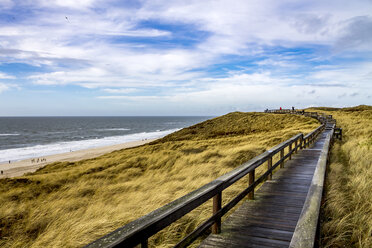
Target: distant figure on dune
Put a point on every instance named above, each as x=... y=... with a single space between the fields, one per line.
x=280 y=108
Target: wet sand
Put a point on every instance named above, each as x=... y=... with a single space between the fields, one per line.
x=19 y=168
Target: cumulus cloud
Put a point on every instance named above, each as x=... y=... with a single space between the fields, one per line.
x=205 y=52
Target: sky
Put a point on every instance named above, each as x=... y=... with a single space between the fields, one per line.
x=108 y=58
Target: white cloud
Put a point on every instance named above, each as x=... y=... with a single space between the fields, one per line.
x=357 y=76
x=356 y=34
x=134 y=98
x=6 y=76
x=120 y=90
x=81 y=4
x=256 y=91
x=3 y=87
x=113 y=51
x=6 y=4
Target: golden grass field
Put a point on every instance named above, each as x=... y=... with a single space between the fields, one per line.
x=71 y=204
x=347 y=211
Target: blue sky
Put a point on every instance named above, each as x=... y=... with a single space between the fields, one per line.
x=90 y=57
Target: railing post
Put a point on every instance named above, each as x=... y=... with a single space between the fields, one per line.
x=281 y=156
x=269 y=164
x=250 y=182
x=290 y=151
x=217 y=202
x=296 y=143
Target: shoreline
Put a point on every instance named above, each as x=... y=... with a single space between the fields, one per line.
x=19 y=168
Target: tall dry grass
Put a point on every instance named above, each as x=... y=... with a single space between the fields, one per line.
x=71 y=204
x=347 y=211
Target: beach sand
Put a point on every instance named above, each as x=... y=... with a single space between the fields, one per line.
x=19 y=168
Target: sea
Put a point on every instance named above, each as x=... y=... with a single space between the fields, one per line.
x=29 y=137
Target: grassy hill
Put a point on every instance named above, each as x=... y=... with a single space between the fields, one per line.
x=347 y=212
x=71 y=204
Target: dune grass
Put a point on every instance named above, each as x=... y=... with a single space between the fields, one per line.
x=347 y=211
x=71 y=204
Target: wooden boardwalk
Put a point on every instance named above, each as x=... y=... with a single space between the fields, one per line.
x=285 y=210
x=270 y=219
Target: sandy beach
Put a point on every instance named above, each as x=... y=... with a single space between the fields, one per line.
x=19 y=168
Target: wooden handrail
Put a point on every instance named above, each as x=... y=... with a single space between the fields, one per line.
x=310 y=138
x=138 y=231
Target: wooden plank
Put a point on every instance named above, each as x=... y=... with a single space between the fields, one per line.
x=260 y=232
x=275 y=215
x=240 y=241
x=274 y=209
x=264 y=225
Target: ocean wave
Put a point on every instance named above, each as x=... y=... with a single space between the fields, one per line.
x=16 y=154
x=9 y=134
x=113 y=129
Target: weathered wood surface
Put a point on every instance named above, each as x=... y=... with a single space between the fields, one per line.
x=270 y=219
x=305 y=233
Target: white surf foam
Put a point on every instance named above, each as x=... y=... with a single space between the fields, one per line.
x=16 y=154
x=9 y=134
x=113 y=129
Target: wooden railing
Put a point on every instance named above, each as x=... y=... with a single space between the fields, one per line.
x=323 y=118
x=140 y=230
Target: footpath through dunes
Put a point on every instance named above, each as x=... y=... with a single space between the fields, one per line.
x=298 y=186
x=280 y=206
x=71 y=204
